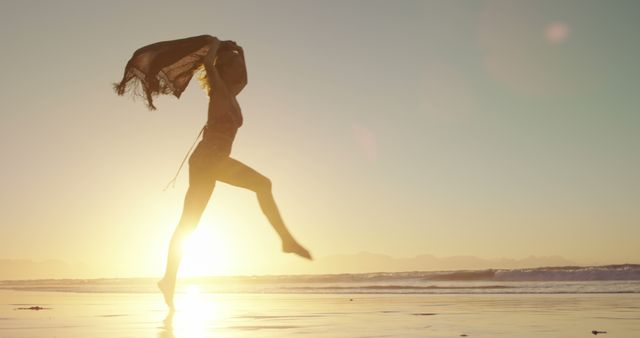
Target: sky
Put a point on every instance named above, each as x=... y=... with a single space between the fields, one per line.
x=495 y=129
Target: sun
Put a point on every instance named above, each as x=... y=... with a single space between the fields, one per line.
x=205 y=252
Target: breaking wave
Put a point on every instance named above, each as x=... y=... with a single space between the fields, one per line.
x=569 y=279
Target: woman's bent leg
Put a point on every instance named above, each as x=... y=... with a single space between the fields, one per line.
x=238 y=174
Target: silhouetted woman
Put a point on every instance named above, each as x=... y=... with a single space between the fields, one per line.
x=166 y=68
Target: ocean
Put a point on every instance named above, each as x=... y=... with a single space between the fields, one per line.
x=547 y=280
x=567 y=302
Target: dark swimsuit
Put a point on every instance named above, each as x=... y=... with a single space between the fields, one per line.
x=217 y=139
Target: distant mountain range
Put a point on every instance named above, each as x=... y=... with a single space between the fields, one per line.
x=29 y=269
x=344 y=263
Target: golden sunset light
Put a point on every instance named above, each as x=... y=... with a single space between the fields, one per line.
x=287 y=168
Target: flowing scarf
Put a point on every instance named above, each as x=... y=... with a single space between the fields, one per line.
x=164 y=67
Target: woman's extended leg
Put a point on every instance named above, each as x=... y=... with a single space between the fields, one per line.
x=238 y=174
x=200 y=188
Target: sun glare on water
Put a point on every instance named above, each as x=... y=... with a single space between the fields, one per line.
x=204 y=253
x=196 y=314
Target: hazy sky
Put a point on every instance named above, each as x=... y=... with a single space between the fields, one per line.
x=485 y=128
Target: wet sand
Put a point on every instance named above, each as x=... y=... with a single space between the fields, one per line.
x=316 y=315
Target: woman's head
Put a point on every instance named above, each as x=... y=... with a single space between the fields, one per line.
x=231 y=67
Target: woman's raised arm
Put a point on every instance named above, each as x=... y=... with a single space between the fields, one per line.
x=215 y=81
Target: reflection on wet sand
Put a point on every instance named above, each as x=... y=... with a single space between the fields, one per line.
x=318 y=315
x=192 y=317
x=166 y=329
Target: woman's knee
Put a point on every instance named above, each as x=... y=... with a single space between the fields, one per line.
x=182 y=231
x=263 y=185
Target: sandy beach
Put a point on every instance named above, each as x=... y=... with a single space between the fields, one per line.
x=317 y=315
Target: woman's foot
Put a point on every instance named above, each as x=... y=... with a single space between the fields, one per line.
x=291 y=246
x=167 y=288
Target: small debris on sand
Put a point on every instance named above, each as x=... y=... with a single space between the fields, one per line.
x=34 y=308
x=596 y=332
x=463 y=335
x=424 y=314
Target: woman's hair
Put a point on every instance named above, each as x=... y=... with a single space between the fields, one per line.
x=202 y=78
